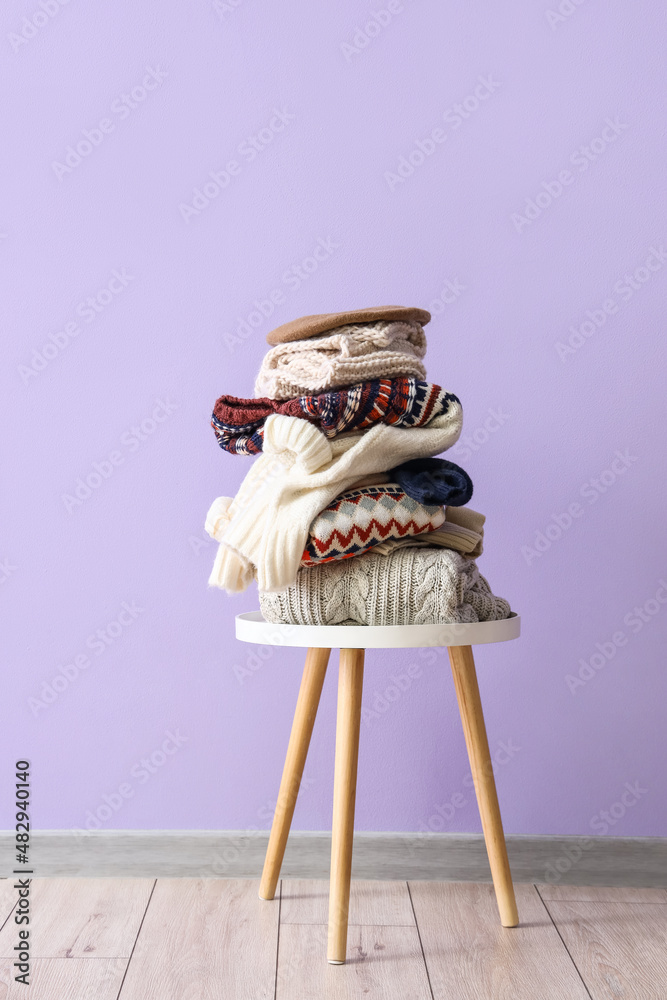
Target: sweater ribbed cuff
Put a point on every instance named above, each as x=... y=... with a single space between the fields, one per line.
x=298 y=439
x=231 y=571
x=218 y=517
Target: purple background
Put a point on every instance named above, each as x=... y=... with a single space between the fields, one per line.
x=169 y=335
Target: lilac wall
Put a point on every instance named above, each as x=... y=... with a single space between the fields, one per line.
x=531 y=224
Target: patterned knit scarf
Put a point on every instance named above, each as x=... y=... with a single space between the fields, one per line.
x=406 y=402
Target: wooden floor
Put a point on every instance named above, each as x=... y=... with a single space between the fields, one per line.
x=206 y=939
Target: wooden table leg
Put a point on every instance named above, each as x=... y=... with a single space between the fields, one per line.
x=348 y=721
x=297 y=750
x=470 y=707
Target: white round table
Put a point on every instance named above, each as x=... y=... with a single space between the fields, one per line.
x=251 y=627
x=353 y=641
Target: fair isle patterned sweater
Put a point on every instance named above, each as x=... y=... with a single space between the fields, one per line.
x=360 y=519
x=405 y=402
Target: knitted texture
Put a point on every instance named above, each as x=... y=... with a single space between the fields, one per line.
x=434 y=481
x=405 y=402
x=448 y=536
x=359 y=519
x=347 y=355
x=264 y=529
x=410 y=586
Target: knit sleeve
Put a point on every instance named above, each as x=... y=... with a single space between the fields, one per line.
x=293 y=440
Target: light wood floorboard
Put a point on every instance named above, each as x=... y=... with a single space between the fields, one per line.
x=306 y=901
x=65 y=979
x=470 y=956
x=8 y=898
x=82 y=918
x=619 y=948
x=205 y=939
x=383 y=963
x=602 y=894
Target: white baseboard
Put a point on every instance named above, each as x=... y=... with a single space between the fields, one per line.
x=613 y=861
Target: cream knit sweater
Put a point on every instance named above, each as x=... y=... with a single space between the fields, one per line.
x=344 y=356
x=264 y=529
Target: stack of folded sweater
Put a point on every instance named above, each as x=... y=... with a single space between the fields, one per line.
x=345 y=515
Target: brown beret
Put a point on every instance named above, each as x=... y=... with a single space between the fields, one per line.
x=310 y=326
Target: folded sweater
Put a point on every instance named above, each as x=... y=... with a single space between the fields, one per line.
x=410 y=586
x=462 y=530
x=405 y=402
x=359 y=519
x=343 y=356
x=434 y=481
x=264 y=529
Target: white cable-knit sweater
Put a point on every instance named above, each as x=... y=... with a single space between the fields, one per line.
x=411 y=586
x=264 y=529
